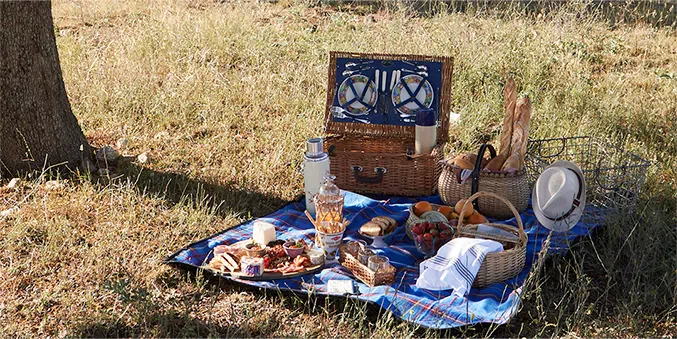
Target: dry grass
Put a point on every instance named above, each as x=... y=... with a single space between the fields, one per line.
x=222 y=96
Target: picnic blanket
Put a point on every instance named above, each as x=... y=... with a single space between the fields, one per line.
x=496 y=303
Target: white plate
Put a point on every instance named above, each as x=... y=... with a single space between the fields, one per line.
x=345 y=94
x=425 y=95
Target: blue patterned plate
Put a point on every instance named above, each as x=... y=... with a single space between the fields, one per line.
x=400 y=94
x=352 y=95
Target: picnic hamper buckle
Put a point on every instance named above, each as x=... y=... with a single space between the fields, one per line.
x=369 y=180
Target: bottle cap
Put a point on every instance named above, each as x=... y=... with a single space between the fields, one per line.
x=425 y=117
x=315 y=148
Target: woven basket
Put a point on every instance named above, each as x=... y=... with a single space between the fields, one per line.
x=514 y=187
x=378 y=158
x=414 y=219
x=349 y=260
x=382 y=166
x=497 y=266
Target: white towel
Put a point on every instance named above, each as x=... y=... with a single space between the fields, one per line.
x=455 y=265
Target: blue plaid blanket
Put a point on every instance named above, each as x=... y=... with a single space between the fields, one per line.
x=496 y=303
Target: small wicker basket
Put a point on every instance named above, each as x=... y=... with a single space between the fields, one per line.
x=497 y=266
x=414 y=219
x=349 y=260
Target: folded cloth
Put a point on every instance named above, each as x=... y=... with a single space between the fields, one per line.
x=455 y=265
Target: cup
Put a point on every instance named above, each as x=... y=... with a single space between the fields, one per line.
x=329 y=243
x=355 y=247
x=364 y=255
x=378 y=262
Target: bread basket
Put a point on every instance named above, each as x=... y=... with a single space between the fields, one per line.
x=497 y=266
x=513 y=186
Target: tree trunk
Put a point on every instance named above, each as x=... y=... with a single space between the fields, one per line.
x=37 y=126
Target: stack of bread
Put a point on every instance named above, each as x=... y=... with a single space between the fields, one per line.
x=378 y=226
x=514 y=136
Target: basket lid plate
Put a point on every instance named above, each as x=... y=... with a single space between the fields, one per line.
x=380 y=94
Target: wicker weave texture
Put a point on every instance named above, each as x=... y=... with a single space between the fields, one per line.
x=512 y=186
x=362 y=272
x=497 y=266
x=405 y=175
x=414 y=219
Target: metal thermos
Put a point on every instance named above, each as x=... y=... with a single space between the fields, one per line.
x=315 y=168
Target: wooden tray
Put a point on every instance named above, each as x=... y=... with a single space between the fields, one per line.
x=265 y=275
x=273 y=275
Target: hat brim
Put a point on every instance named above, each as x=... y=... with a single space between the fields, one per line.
x=571 y=221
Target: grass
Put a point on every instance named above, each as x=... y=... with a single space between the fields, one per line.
x=221 y=96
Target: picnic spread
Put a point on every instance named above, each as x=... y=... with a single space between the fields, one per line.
x=388 y=219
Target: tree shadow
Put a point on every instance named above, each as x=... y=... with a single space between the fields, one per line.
x=222 y=200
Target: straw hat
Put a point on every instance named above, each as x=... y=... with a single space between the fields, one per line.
x=559 y=196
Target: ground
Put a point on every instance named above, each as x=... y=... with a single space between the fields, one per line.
x=222 y=95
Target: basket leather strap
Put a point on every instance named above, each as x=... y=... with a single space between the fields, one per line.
x=475 y=176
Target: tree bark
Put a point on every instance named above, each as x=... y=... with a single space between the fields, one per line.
x=37 y=126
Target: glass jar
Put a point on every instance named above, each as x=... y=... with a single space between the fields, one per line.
x=329 y=203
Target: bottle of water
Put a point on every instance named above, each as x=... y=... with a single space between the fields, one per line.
x=315 y=168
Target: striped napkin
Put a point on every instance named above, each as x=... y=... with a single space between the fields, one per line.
x=455 y=265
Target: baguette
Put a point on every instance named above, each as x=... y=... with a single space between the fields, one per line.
x=522 y=117
x=513 y=164
x=510 y=95
x=520 y=132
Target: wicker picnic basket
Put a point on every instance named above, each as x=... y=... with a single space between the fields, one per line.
x=514 y=187
x=349 y=260
x=497 y=266
x=378 y=158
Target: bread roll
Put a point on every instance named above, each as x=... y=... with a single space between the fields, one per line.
x=510 y=95
x=496 y=163
x=462 y=164
x=467 y=157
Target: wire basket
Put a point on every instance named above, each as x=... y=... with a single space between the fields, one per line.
x=613 y=176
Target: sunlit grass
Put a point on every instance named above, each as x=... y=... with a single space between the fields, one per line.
x=222 y=96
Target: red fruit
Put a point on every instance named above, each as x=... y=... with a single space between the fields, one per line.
x=417 y=230
x=444 y=236
x=434 y=232
x=427 y=237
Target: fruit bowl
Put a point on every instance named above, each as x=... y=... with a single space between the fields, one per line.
x=430 y=236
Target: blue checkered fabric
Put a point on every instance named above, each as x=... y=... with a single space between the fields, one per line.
x=496 y=303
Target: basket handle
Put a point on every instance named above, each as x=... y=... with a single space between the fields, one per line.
x=477 y=195
x=475 y=176
x=369 y=180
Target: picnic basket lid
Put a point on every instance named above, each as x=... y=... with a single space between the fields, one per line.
x=386 y=130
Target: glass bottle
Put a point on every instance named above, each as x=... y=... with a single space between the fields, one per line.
x=329 y=202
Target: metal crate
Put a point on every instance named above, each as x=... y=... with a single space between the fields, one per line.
x=613 y=176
